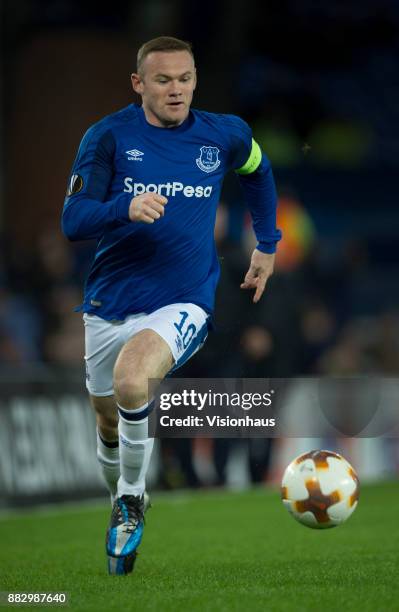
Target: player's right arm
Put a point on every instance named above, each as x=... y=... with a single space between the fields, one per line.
x=88 y=212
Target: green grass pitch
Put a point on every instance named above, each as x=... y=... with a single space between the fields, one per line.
x=212 y=551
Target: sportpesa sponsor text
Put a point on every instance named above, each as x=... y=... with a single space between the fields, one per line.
x=167 y=189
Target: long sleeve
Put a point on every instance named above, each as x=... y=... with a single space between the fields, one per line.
x=87 y=211
x=257 y=182
x=260 y=194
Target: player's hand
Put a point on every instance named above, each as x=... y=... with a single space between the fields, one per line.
x=261 y=268
x=147 y=207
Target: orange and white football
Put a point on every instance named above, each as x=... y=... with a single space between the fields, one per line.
x=320 y=489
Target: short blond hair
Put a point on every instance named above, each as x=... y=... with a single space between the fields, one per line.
x=162 y=43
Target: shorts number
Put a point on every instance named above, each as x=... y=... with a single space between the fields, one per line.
x=189 y=331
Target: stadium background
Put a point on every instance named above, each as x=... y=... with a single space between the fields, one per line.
x=318 y=84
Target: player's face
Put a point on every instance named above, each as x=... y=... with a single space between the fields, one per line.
x=166 y=85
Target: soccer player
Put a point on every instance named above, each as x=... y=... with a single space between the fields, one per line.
x=145 y=184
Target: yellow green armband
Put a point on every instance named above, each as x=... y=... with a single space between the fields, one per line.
x=253 y=160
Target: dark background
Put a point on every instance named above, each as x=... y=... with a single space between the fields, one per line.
x=317 y=81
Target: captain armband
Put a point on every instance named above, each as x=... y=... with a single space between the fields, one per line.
x=253 y=160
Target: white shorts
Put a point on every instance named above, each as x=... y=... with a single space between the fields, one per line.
x=183 y=326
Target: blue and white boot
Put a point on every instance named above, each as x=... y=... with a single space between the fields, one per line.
x=125 y=532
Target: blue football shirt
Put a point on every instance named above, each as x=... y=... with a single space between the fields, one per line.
x=141 y=267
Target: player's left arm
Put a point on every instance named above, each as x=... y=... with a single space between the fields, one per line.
x=257 y=182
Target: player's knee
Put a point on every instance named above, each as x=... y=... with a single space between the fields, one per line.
x=131 y=393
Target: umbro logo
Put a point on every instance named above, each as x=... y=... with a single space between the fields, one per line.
x=135 y=155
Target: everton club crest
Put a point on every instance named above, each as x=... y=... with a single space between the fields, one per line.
x=208 y=161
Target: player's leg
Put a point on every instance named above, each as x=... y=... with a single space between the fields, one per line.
x=146 y=355
x=106 y=412
x=160 y=342
x=103 y=341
